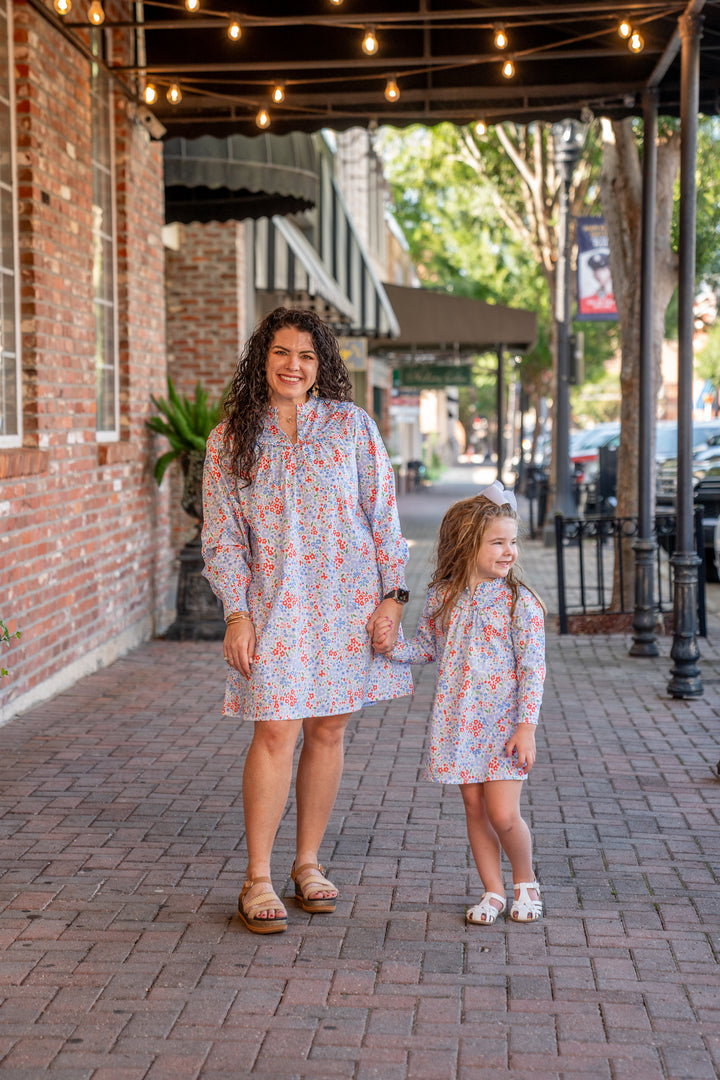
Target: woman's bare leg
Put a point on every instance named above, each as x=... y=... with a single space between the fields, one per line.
x=266 y=784
x=316 y=786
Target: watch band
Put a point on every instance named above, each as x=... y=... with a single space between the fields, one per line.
x=401 y=595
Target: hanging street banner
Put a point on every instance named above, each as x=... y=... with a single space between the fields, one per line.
x=432 y=376
x=596 y=299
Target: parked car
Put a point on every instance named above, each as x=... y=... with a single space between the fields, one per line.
x=706 y=484
x=585 y=449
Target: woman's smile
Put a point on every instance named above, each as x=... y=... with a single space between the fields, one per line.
x=291 y=367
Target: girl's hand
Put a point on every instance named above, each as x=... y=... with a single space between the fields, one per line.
x=386 y=609
x=523 y=740
x=381 y=629
x=239 y=646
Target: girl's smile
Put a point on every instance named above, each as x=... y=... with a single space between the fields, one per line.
x=497 y=552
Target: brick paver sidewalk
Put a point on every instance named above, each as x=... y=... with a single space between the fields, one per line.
x=122 y=854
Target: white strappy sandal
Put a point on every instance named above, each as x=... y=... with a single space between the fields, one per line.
x=485 y=913
x=524 y=909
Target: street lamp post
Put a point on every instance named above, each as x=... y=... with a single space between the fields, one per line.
x=568 y=140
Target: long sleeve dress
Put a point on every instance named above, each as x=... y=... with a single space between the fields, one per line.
x=309 y=549
x=491 y=668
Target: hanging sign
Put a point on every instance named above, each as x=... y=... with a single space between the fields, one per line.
x=596 y=298
x=432 y=376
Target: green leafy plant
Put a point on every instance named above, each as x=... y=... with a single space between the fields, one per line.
x=185 y=423
x=5 y=637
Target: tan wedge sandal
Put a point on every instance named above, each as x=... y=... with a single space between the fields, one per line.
x=264 y=901
x=313 y=879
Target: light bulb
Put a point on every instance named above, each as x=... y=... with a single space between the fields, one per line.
x=278 y=93
x=636 y=42
x=392 y=90
x=192 y=5
x=481 y=128
x=508 y=68
x=96 y=14
x=337 y=3
x=234 y=30
x=63 y=7
x=263 y=119
x=624 y=28
x=501 y=38
x=150 y=94
x=370 y=42
x=174 y=94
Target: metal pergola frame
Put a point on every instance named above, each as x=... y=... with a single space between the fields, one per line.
x=569 y=62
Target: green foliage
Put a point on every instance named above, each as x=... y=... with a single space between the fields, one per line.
x=707 y=233
x=471 y=229
x=185 y=423
x=5 y=638
x=708 y=358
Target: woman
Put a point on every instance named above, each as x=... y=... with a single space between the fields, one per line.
x=302 y=545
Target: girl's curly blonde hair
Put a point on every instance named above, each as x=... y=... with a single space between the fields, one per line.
x=461 y=533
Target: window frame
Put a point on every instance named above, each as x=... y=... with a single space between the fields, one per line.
x=106 y=435
x=16 y=439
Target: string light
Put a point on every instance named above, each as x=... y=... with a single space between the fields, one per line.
x=174 y=94
x=370 y=42
x=481 y=128
x=624 y=28
x=278 y=93
x=63 y=7
x=150 y=94
x=234 y=30
x=96 y=14
x=392 y=90
x=636 y=42
x=501 y=38
x=508 y=68
x=192 y=5
x=262 y=119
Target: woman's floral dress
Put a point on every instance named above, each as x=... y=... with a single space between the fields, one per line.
x=309 y=549
x=491 y=669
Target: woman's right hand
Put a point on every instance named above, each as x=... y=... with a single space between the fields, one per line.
x=239 y=646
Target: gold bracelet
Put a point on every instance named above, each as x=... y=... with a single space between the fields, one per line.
x=235 y=615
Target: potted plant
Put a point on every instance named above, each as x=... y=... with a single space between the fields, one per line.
x=186 y=424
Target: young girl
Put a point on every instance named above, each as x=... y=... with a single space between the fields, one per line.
x=486 y=631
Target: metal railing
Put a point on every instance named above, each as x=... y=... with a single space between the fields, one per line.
x=589 y=551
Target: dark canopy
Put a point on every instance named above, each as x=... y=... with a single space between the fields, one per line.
x=568 y=57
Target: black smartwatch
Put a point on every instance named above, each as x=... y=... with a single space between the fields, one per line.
x=401 y=595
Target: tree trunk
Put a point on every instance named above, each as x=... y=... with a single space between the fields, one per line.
x=621 y=198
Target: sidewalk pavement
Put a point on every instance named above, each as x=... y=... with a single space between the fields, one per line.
x=123 y=853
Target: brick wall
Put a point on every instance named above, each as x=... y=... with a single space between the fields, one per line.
x=206 y=322
x=85 y=562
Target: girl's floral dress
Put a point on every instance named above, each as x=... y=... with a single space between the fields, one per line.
x=491 y=669
x=309 y=549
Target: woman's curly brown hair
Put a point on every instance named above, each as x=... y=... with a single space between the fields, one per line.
x=459 y=539
x=247 y=400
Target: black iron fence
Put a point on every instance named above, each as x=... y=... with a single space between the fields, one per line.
x=589 y=552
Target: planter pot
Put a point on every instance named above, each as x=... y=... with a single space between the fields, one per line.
x=199 y=612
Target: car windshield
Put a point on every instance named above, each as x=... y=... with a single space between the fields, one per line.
x=666 y=438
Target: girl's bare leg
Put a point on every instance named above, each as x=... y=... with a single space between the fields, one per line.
x=502 y=803
x=484 y=842
x=316 y=786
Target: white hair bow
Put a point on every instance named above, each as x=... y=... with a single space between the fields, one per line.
x=499 y=495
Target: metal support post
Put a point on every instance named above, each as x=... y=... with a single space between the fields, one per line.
x=685 y=674
x=501 y=411
x=568 y=139
x=644 y=639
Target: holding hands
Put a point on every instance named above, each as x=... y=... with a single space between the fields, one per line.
x=383 y=626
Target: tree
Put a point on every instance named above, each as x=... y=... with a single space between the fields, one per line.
x=479 y=213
